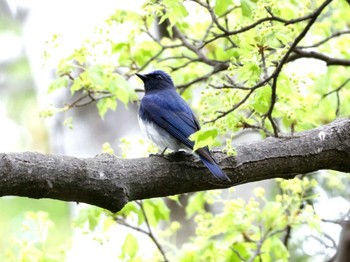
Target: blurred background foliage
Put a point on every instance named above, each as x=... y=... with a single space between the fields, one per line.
x=206 y=226
x=22 y=130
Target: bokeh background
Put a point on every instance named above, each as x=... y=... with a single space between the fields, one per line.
x=28 y=59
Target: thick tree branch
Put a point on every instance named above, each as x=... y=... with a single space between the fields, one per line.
x=110 y=182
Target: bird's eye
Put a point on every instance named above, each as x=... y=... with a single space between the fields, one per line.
x=159 y=77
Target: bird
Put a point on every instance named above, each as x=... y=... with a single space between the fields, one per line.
x=167 y=120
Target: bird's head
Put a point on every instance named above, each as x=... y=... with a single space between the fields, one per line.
x=156 y=80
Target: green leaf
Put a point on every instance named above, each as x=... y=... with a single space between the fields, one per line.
x=221 y=6
x=76 y=86
x=262 y=100
x=278 y=249
x=195 y=204
x=246 y=8
x=91 y=216
x=95 y=74
x=119 y=47
x=204 y=137
x=176 y=11
x=65 y=66
x=93 y=221
x=130 y=247
x=58 y=83
x=132 y=208
x=272 y=214
x=122 y=89
x=176 y=199
x=156 y=211
x=145 y=51
x=249 y=72
x=241 y=249
x=105 y=104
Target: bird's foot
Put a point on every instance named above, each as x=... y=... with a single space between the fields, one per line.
x=155 y=154
x=180 y=153
x=162 y=154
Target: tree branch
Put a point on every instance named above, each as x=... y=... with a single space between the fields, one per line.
x=270 y=18
x=284 y=59
x=110 y=182
x=334 y=35
x=330 y=61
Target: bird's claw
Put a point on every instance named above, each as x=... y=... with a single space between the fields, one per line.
x=155 y=155
x=162 y=154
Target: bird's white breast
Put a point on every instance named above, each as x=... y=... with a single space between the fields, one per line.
x=159 y=136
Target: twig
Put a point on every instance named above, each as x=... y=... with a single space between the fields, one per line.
x=336 y=91
x=238 y=254
x=262 y=53
x=173 y=69
x=198 y=52
x=336 y=34
x=330 y=61
x=216 y=69
x=251 y=90
x=322 y=242
x=259 y=244
x=212 y=14
x=151 y=59
x=246 y=125
x=224 y=113
x=89 y=95
x=230 y=87
x=150 y=233
x=256 y=23
x=147 y=232
x=284 y=59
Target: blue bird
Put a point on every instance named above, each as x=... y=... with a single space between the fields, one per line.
x=168 y=121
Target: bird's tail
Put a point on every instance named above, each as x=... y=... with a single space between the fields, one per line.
x=210 y=163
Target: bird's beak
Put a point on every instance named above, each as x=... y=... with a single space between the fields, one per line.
x=142 y=77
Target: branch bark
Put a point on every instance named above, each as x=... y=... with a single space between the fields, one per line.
x=110 y=182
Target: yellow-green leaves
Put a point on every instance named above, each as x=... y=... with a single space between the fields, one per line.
x=262 y=99
x=195 y=204
x=156 y=211
x=106 y=104
x=206 y=136
x=145 y=51
x=246 y=6
x=107 y=148
x=238 y=226
x=221 y=6
x=175 y=11
x=97 y=83
x=249 y=73
x=58 y=83
x=32 y=241
x=89 y=217
x=129 y=248
x=245 y=226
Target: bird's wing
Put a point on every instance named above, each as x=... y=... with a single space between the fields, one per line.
x=175 y=116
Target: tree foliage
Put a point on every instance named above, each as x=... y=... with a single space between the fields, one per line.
x=276 y=67
x=240 y=60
